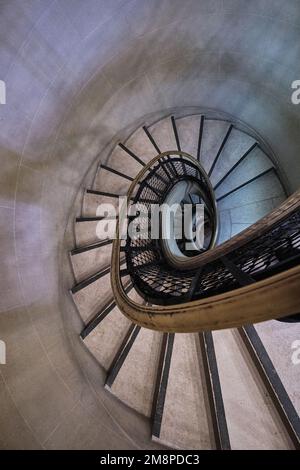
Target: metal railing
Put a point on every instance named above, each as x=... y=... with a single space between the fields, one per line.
x=189 y=297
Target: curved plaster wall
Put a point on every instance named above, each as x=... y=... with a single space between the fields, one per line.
x=78 y=75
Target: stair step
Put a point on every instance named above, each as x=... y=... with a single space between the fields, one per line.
x=97 y=204
x=86 y=282
x=132 y=154
x=246 y=183
x=221 y=148
x=236 y=164
x=217 y=410
x=229 y=229
x=252 y=419
x=236 y=146
x=254 y=164
x=265 y=187
x=185 y=420
x=107 y=180
x=139 y=143
x=122 y=354
x=214 y=132
x=233 y=221
x=90 y=299
x=90 y=232
x=135 y=380
x=251 y=213
x=89 y=262
x=188 y=132
x=281 y=399
x=281 y=340
x=225 y=224
x=237 y=228
x=163 y=134
x=122 y=162
x=104 y=341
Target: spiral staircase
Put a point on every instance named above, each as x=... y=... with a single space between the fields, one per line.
x=173 y=332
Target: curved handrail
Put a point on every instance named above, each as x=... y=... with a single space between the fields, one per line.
x=274 y=297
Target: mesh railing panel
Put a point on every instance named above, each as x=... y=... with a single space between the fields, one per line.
x=160 y=283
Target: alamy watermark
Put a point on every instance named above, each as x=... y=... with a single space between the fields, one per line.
x=2 y=92
x=296 y=353
x=296 y=94
x=154 y=221
x=2 y=352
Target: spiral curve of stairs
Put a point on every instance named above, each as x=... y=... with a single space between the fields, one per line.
x=165 y=377
x=80 y=77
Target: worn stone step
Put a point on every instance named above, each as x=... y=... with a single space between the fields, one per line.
x=252 y=419
x=136 y=379
x=87 y=263
x=186 y=421
x=163 y=134
x=188 y=132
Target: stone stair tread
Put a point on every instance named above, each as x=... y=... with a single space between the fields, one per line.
x=252 y=420
x=244 y=216
x=135 y=382
x=237 y=228
x=89 y=232
x=236 y=146
x=279 y=339
x=254 y=164
x=265 y=187
x=224 y=226
x=185 y=422
x=139 y=143
x=188 y=132
x=106 y=180
x=93 y=297
x=104 y=341
x=214 y=132
x=89 y=262
x=92 y=203
x=163 y=134
x=121 y=161
x=251 y=213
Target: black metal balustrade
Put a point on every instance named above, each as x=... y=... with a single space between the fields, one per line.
x=145 y=257
x=160 y=283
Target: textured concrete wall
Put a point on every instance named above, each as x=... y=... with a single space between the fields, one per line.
x=77 y=72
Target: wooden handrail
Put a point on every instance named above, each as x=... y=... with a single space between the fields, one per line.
x=274 y=297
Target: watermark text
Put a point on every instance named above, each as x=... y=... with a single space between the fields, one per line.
x=154 y=221
x=296 y=353
x=2 y=352
x=2 y=92
x=296 y=94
